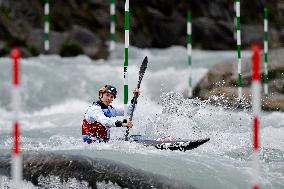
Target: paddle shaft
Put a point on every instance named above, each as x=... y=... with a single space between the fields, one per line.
x=141 y=74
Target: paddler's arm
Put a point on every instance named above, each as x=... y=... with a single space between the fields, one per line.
x=96 y=114
x=120 y=111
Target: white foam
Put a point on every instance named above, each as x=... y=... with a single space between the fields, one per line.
x=56 y=92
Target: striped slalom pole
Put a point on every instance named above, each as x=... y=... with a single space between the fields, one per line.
x=256 y=90
x=126 y=30
x=16 y=155
x=189 y=52
x=235 y=23
x=265 y=75
x=46 y=25
x=112 y=25
x=238 y=27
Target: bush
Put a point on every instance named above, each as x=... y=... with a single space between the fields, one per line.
x=69 y=48
x=33 y=50
x=5 y=11
x=4 y=51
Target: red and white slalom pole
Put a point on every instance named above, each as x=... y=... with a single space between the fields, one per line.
x=16 y=99
x=256 y=107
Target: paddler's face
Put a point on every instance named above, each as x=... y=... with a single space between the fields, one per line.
x=107 y=98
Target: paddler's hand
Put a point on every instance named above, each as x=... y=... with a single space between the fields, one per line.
x=127 y=123
x=136 y=92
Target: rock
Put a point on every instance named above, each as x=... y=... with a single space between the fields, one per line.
x=36 y=38
x=155 y=24
x=91 y=43
x=254 y=33
x=56 y=40
x=10 y=32
x=282 y=36
x=92 y=170
x=166 y=30
x=251 y=34
x=278 y=85
x=205 y=29
x=221 y=81
x=274 y=38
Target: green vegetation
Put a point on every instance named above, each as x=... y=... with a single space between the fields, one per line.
x=272 y=74
x=33 y=50
x=5 y=11
x=4 y=51
x=70 y=48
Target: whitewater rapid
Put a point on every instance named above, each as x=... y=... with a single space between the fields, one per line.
x=56 y=92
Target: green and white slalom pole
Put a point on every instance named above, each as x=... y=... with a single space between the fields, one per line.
x=46 y=25
x=265 y=75
x=238 y=27
x=189 y=52
x=112 y=25
x=235 y=23
x=126 y=33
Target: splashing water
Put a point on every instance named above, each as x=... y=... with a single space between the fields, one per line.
x=56 y=92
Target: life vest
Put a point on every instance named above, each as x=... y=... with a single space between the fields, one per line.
x=96 y=131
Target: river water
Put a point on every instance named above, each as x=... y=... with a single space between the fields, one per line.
x=56 y=92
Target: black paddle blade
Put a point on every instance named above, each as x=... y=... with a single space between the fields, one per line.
x=142 y=71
